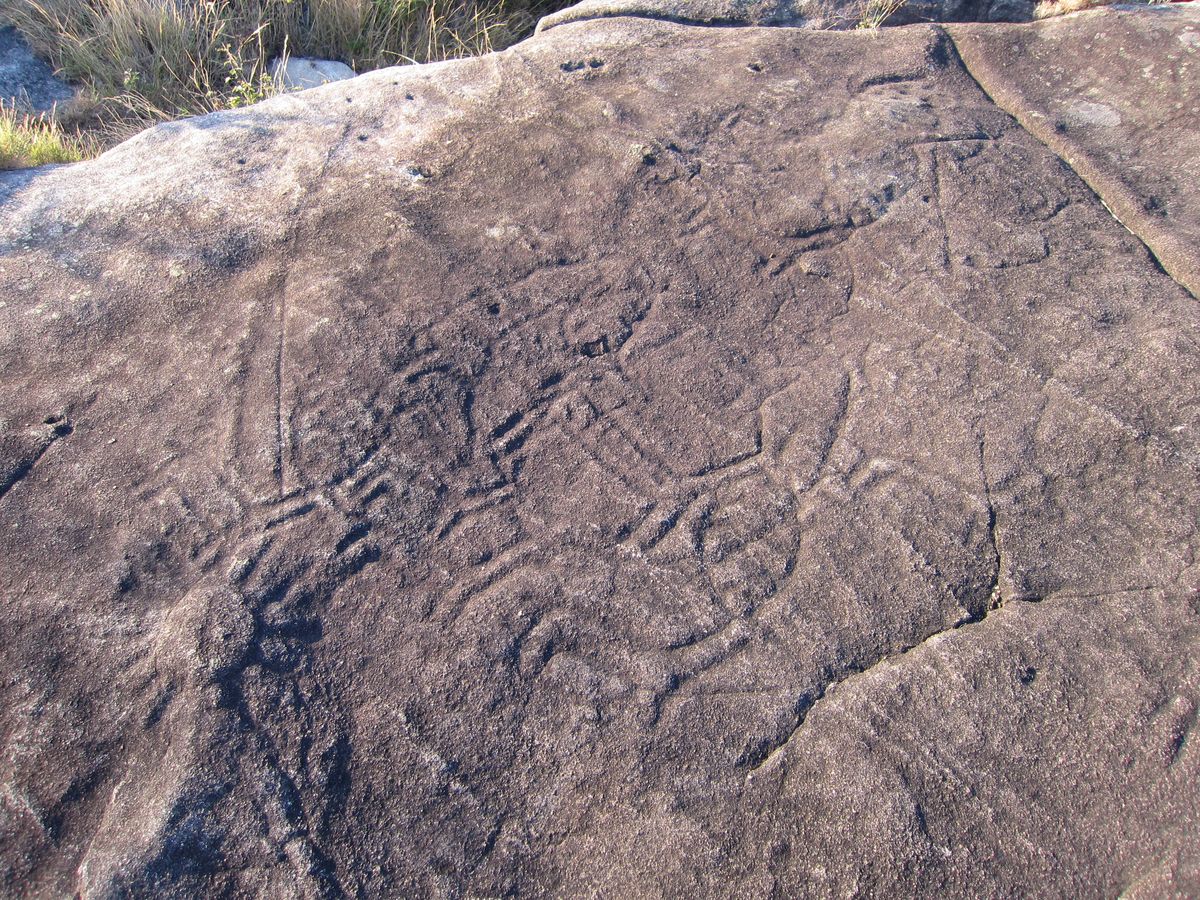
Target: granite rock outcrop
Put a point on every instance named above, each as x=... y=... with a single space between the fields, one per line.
x=655 y=460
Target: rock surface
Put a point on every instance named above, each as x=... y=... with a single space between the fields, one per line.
x=694 y=12
x=1130 y=131
x=299 y=73
x=820 y=14
x=25 y=81
x=652 y=461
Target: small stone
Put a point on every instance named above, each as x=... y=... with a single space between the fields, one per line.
x=299 y=73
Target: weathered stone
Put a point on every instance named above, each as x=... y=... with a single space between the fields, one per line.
x=652 y=461
x=697 y=12
x=25 y=81
x=298 y=74
x=823 y=14
x=1130 y=130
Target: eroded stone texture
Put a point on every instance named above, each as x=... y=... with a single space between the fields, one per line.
x=819 y=14
x=1116 y=94
x=794 y=13
x=653 y=460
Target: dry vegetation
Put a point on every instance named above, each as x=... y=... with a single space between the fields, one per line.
x=873 y=13
x=142 y=61
x=28 y=140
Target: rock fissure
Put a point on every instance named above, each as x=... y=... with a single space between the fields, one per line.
x=54 y=431
x=775 y=754
x=994 y=598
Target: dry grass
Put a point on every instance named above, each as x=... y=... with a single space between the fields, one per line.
x=142 y=61
x=873 y=13
x=28 y=140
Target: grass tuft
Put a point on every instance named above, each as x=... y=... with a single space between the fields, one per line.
x=36 y=140
x=873 y=13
